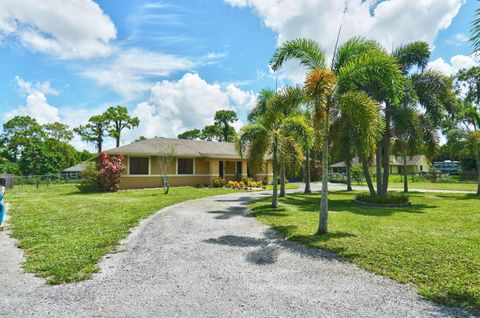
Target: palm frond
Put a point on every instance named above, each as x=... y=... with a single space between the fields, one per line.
x=254 y=141
x=352 y=49
x=299 y=129
x=286 y=102
x=435 y=94
x=475 y=31
x=376 y=74
x=306 y=51
x=260 y=106
x=412 y=54
x=364 y=120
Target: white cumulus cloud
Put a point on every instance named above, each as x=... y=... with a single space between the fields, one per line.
x=190 y=102
x=455 y=64
x=36 y=103
x=128 y=73
x=392 y=23
x=63 y=28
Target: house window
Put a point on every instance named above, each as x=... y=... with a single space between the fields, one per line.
x=139 y=166
x=185 y=166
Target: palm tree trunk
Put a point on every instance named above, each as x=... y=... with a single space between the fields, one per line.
x=378 y=166
x=478 y=171
x=386 y=151
x=275 y=189
x=282 y=181
x=307 y=172
x=366 y=173
x=405 y=174
x=323 y=222
x=349 y=177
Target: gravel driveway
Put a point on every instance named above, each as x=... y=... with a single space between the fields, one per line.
x=207 y=258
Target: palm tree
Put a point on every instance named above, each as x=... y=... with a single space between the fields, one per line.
x=260 y=107
x=276 y=134
x=475 y=31
x=351 y=68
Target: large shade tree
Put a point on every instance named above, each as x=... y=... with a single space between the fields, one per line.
x=118 y=120
x=94 y=131
x=356 y=63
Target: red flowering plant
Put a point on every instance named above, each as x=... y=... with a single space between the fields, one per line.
x=110 y=170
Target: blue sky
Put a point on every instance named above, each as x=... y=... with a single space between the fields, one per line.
x=174 y=63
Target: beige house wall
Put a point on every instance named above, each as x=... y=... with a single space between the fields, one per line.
x=205 y=169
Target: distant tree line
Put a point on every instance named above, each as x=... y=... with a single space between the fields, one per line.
x=28 y=148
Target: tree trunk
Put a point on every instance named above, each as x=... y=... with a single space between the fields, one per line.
x=478 y=171
x=323 y=217
x=117 y=140
x=99 y=146
x=282 y=181
x=368 y=179
x=307 y=172
x=349 y=177
x=386 y=151
x=275 y=189
x=378 y=166
x=405 y=175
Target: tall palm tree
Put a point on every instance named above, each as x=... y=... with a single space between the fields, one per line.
x=277 y=134
x=424 y=91
x=351 y=67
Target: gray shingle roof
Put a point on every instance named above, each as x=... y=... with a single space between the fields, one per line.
x=191 y=148
x=77 y=168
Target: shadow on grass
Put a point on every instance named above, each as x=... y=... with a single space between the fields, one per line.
x=310 y=204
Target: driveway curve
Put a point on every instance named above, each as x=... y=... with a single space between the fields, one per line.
x=208 y=258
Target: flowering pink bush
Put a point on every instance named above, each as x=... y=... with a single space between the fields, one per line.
x=110 y=170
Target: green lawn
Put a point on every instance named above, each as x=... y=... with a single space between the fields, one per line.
x=434 y=244
x=287 y=186
x=436 y=186
x=65 y=233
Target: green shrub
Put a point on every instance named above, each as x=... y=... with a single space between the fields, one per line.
x=391 y=198
x=218 y=182
x=89 y=178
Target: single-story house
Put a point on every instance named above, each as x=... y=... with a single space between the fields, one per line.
x=196 y=162
x=74 y=172
x=415 y=164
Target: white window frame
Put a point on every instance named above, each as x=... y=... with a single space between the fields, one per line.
x=139 y=175
x=185 y=174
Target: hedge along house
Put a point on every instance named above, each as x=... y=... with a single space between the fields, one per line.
x=194 y=162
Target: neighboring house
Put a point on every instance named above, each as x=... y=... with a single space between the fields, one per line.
x=74 y=172
x=415 y=164
x=197 y=162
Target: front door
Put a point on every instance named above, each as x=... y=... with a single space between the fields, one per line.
x=220 y=169
x=239 y=170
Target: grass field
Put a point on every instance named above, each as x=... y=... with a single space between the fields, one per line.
x=288 y=186
x=434 y=244
x=435 y=186
x=65 y=233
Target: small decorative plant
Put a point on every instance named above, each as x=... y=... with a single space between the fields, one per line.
x=218 y=182
x=110 y=171
x=391 y=198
